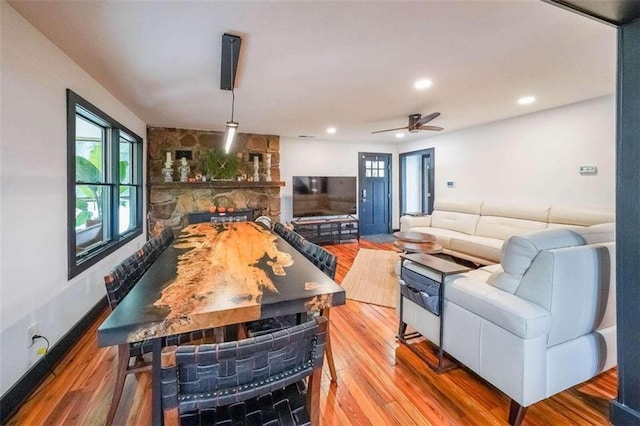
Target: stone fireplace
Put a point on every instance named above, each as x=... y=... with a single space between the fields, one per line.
x=170 y=202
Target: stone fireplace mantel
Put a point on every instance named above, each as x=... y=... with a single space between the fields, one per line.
x=216 y=184
x=170 y=203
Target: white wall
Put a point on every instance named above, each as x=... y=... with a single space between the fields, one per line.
x=304 y=157
x=34 y=285
x=532 y=158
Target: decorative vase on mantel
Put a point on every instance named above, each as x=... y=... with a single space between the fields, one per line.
x=267 y=167
x=167 y=171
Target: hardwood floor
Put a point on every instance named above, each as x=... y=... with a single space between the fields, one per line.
x=379 y=383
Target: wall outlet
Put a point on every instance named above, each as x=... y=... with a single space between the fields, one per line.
x=32 y=331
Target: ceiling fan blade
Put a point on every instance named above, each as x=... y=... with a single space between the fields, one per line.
x=390 y=130
x=426 y=119
x=434 y=128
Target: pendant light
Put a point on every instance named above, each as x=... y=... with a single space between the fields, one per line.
x=230 y=42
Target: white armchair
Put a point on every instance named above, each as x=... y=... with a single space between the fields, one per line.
x=544 y=321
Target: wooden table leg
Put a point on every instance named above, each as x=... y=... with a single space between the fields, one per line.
x=328 y=352
x=156 y=384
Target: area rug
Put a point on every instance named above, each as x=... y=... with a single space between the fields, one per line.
x=379 y=238
x=372 y=277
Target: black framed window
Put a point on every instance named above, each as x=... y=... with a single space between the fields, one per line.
x=104 y=184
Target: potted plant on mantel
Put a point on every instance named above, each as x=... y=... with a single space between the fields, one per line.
x=220 y=166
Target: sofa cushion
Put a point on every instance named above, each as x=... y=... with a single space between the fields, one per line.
x=455 y=221
x=443 y=236
x=407 y=223
x=483 y=247
x=518 y=316
x=456 y=215
x=461 y=206
x=515 y=211
x=505 y=227
x=577 y=285
x=582 y=217
x=519 y=251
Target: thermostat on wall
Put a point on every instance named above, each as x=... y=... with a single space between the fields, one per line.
x=588 y=170
x=451 y=184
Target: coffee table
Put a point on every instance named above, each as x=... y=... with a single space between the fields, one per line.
x=416 y=242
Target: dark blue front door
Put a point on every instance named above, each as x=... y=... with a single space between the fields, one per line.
x=374 y=197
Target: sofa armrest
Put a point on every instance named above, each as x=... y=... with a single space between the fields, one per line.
x=408 y=222
x=516 y=315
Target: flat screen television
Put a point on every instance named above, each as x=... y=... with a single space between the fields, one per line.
x=324 y=195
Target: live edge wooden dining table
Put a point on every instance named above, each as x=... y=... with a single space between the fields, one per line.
x=215 y=275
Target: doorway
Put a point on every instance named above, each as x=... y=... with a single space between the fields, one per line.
x=374 y=198
x=417 y=182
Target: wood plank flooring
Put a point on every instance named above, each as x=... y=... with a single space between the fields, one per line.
x=379 y=383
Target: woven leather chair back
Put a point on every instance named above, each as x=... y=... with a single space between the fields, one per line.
x=325 y=261
x=208 y=376
x=122 y=278
x=279 y=229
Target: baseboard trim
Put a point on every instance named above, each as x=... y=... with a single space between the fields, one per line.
x=621 y=414
x=29 y=382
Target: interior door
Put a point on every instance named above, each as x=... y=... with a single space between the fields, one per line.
x=374 y=200
x=417 y=182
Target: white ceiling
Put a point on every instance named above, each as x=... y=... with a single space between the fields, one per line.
x=307 y=65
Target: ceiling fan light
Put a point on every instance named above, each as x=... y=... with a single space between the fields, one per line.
x=229 y=135
x=399 y=135
x=331 y=130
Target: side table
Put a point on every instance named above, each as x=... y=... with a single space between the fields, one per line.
x=423 y=293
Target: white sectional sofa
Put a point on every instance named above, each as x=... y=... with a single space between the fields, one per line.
x=476 y=230
x=542 y=321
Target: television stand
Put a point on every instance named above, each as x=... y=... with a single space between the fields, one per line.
x=332 y=230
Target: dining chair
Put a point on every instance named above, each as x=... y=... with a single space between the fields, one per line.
x=166 y=237
x=255 y=381
x=327 y=263
x=323 y=259
x=279 y=228
x=155 y=246
x=265 y=220
x=118 y=283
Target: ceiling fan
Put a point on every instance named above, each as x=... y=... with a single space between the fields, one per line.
x=416 y=123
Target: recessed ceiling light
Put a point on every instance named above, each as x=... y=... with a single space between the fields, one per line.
x=422 y=84
x=400 y=135
x=526 y=100
x=331 y=130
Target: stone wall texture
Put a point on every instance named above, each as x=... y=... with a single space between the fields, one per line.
x=169 y=204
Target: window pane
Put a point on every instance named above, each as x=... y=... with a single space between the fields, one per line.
x=105 y=190
x=381 y=173
x=92 y=206
x=374 y=173
x=126 y=161
x=367 y=164
x=367 y=173
x=89 y=159
x=127 y=209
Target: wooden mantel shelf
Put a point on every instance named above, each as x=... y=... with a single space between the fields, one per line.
x=215 y=184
